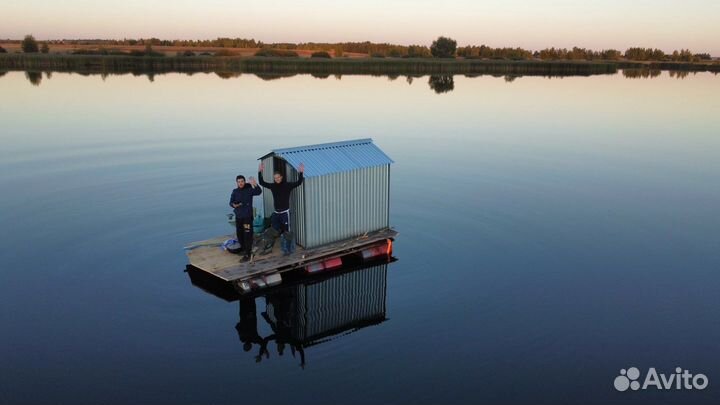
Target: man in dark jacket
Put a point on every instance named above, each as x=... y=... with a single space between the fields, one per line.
x=241 y=200
x=281 y=189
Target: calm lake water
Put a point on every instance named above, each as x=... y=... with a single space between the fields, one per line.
x=552 y=232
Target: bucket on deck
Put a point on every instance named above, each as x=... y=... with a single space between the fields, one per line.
x=258 y=224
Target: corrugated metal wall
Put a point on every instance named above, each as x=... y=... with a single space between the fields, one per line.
x=344 y=205
x=267 y=195
x=297 y=207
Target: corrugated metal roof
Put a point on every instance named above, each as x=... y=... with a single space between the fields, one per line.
x=334 y=157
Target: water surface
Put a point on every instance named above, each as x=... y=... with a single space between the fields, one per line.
x=552 y=231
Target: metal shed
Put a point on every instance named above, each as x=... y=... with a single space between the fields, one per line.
x=346 y=191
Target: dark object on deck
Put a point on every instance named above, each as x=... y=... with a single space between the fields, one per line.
x=234 y=247
x=265 y=242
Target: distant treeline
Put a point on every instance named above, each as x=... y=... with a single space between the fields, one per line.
x=635 y=54
x=420 y=51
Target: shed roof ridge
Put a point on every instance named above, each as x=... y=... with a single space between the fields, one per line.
x=334 y=157
x=328 y=145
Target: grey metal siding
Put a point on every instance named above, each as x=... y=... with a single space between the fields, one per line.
x=268 y=203
x=297 y=207
x=344 y=205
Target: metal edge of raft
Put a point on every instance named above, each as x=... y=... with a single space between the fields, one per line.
x=206 y=255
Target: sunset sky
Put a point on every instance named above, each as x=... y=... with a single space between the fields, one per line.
x=666 y=24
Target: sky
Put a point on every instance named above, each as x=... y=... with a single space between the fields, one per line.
x=664 y=24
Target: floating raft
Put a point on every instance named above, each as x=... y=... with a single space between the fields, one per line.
x=210 y=257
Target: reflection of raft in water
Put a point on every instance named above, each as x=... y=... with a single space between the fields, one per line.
x=306 y=311
x=341 y=210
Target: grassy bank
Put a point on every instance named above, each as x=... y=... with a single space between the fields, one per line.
x=414 y=66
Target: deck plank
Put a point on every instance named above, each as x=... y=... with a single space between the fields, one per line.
x=208 y=256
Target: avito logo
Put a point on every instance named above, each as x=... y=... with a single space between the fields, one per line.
x=680 y=380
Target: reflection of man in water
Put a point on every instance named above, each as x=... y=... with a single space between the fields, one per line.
x=247 y=327
x=282 y=303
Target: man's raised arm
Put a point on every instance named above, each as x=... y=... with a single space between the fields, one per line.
x=260 y=177
x=301 y=177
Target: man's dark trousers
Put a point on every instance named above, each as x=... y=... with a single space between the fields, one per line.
x=243 y=228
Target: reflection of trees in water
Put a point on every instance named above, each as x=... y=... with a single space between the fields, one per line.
x=441 y=83
x=34 y=77
x=2 y=73
x=651 y=73
x=641 y=73
x=679 y=74
x=227 y=75
x=438 y=83
x=410 y=78
x=273 y=76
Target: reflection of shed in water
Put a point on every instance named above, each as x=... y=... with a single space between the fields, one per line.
x=309 y=312
x=305 y=311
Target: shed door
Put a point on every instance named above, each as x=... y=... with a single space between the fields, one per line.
x=279 y=166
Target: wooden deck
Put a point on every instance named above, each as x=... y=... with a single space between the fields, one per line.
x=208 y=256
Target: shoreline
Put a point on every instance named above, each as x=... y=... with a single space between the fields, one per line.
x=298 y=65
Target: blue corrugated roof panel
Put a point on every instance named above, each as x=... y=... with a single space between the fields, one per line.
x=335 y=157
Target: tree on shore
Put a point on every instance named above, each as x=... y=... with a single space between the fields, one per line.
x=443 y=47
x=29 y=44
x=610 y=54
x=2 y=50
x=486 y=52
x=320 y=54
x=418 y=51
x=44 y=48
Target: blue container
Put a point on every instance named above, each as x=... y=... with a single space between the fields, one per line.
x=258 y=224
